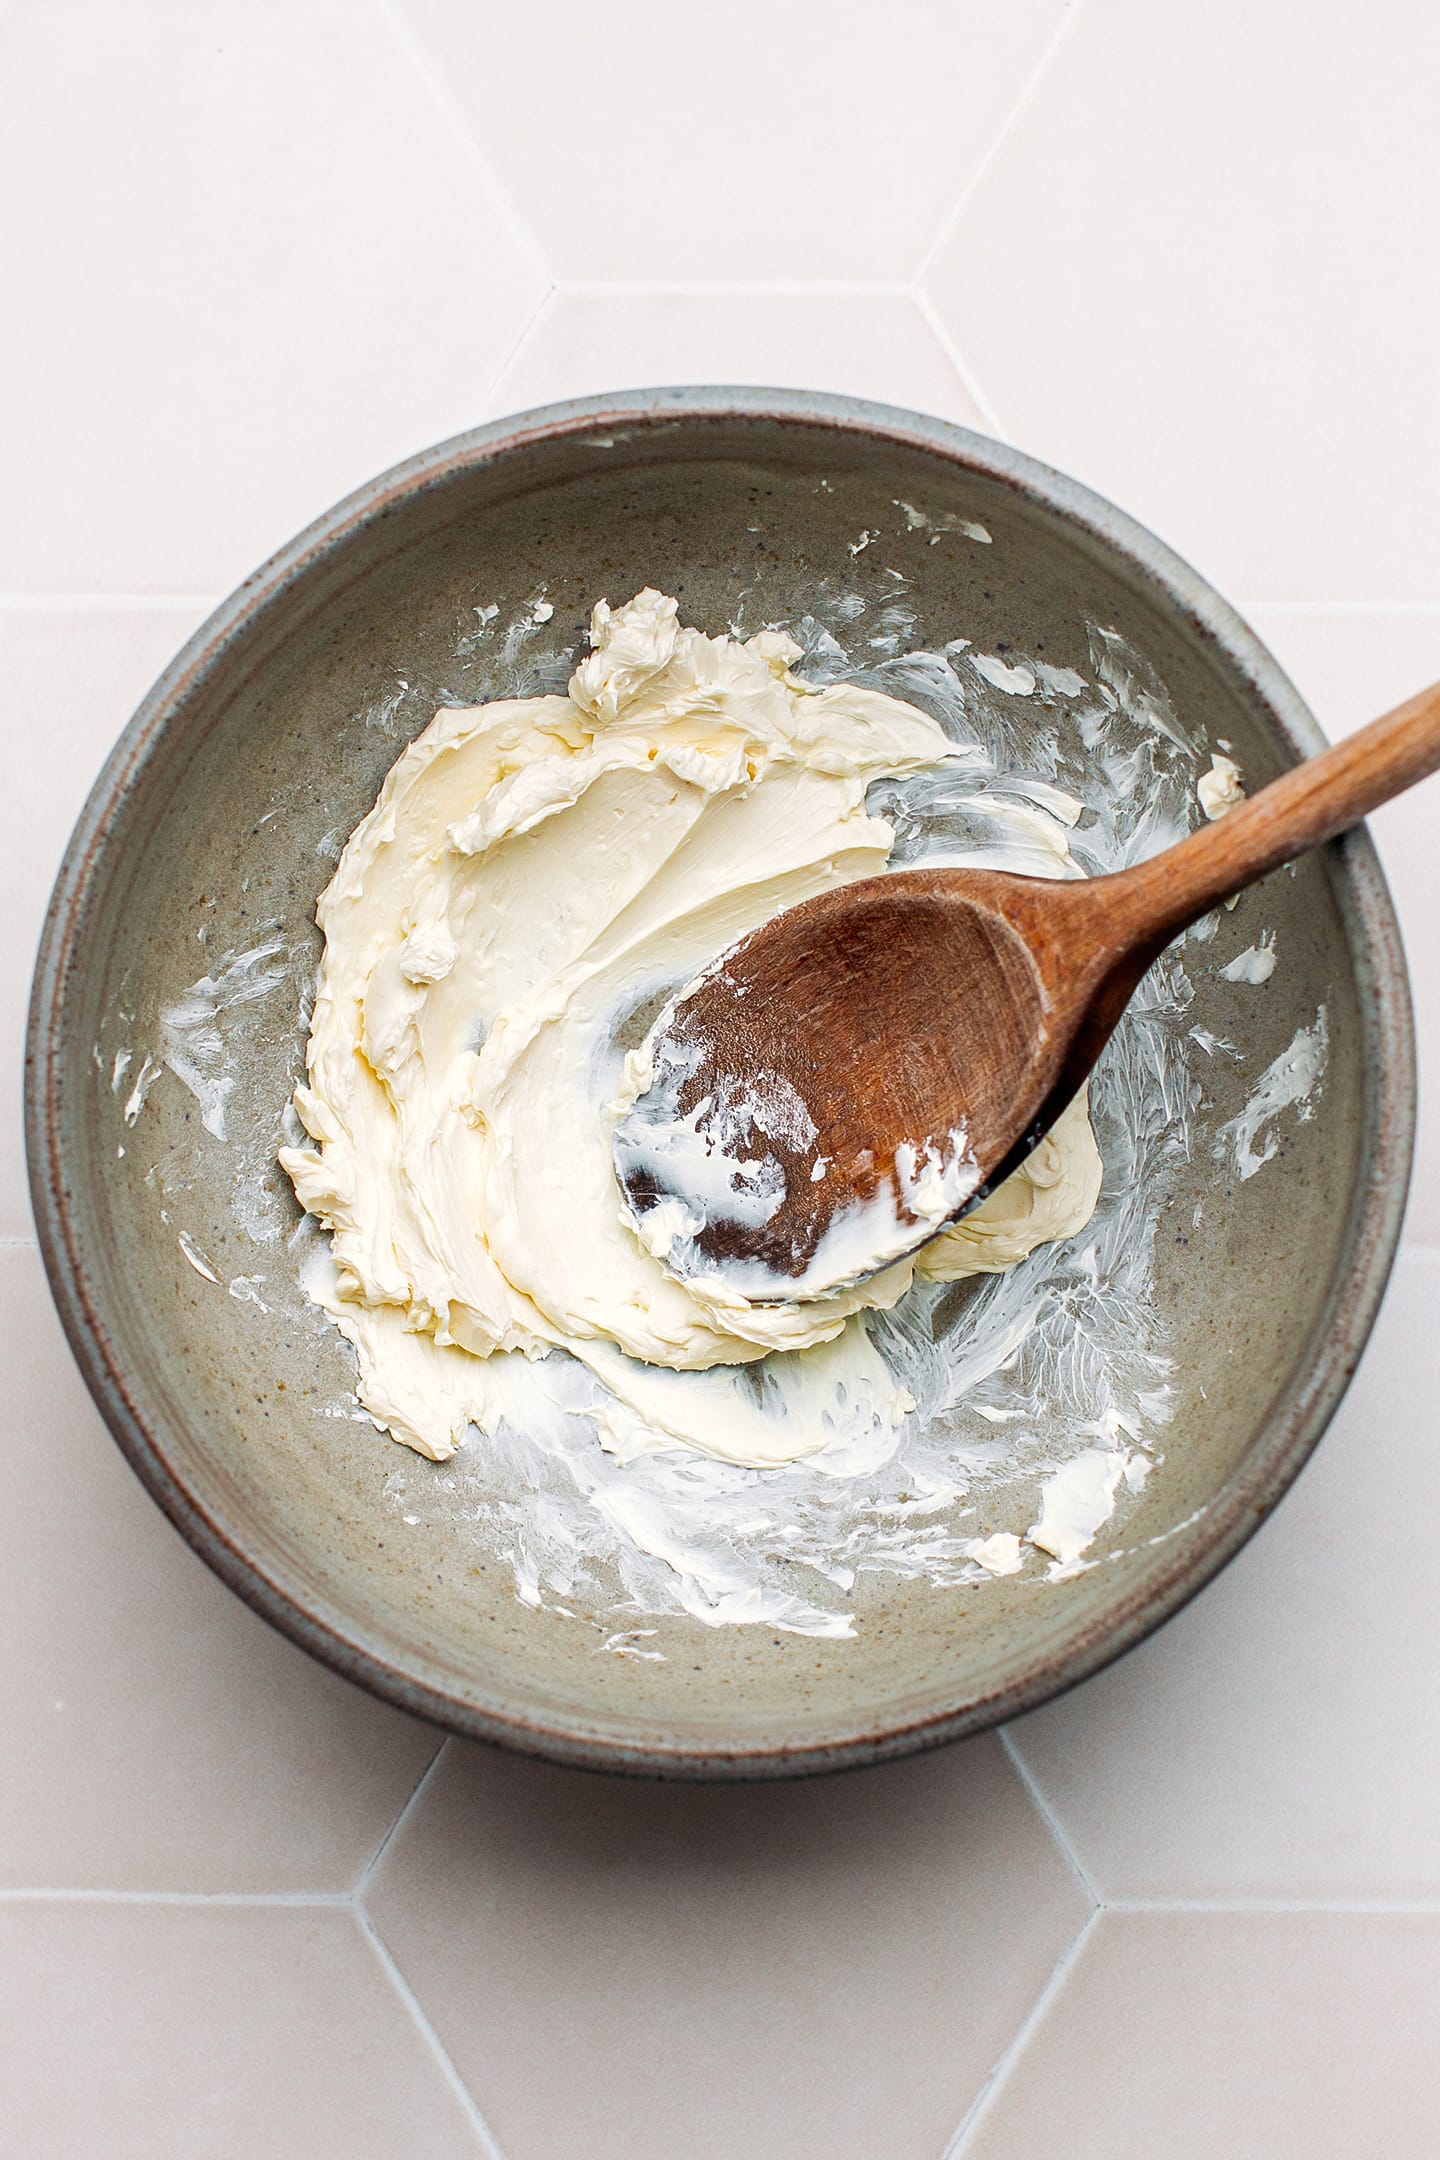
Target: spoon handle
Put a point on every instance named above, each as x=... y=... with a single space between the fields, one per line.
x=1311 y=803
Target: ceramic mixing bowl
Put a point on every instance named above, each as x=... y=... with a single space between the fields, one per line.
x=216 y=823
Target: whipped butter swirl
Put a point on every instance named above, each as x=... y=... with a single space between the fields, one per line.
x=537 y=877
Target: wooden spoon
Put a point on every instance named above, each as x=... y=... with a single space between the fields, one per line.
x=952 y=1013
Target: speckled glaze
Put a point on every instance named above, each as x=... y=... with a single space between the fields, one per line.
x=254 y=745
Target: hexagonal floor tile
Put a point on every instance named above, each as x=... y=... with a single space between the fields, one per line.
x=679 y=146
x=230 y=2031
x=1269 y=2036
x=336 y=286
x=870 y=345
x=1352 y=664
x=1280 y=1739
x=1189 y=277
x=158 y=1736
x=641 y=1971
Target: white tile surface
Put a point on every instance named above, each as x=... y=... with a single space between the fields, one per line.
x=872 y=346
x=1201 y=275
x=784 y=1969
x=251 y=254
x=157 y=1736
x=254 y=266
x=1270 y=2036
x=1352 y=664
x=278 y=2035
x=682 y=145
x=1281 y=1737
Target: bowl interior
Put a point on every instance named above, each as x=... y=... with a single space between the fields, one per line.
x=216 y=826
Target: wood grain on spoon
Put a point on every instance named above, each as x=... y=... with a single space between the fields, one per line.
x=926 y=1001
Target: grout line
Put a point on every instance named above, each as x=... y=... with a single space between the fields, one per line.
x=362 y=1881
x=1048 y=1816
x=428 y=2034
x=323 y=1900
x=931 y=317
x=406 y=1994
x=1233 y=1906
x=1057 y=38
x=735 y=288
x=47 y=603
x=30 y=1894
x=433 y=81
x=495 y=388
x=1420 y=609
x=1020 y=2040
x=19 y=1244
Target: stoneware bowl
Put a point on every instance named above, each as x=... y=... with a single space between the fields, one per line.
x=213 y=828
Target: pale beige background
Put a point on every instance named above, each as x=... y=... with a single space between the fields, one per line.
x=251 y=252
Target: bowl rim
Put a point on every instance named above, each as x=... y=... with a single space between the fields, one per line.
x=1297 y=1417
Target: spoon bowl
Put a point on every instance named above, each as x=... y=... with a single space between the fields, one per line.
x=926 y=1029
x=836 y=1000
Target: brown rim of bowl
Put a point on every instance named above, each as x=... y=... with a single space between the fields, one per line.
x=1296 y=1420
